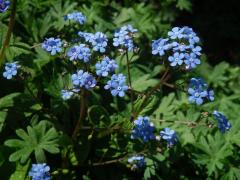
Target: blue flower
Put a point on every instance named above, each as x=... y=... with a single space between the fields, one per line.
x=180 y=47
x=76 y=16
x=117 y=85
x=210 y=95
x=169 y=135
x=143 y=129
x=176 y=59
x=198 y=83
x=223 y=123
x=106 y=66
x=39 y=172
x=123 y=37
x=83 y=79
x=196 y=95
x=66 y=94
x=198 y=91
x=81 y=52
x=137 y=162
x=10 y=70
x=160 y=46
x=99 y=42
x=52 y=45
x=4 y=5
x=190 y=35
x=175 y=33
x=196 y=50
x=88 y=37
x=90 y=81
x=191 y=60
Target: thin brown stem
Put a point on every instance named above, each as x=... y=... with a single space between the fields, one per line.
x=9 y=32
x=81 y=116
x=173 y=86
x=35 y=45
x=187 y=123
x=118 y=159
x=163 y=79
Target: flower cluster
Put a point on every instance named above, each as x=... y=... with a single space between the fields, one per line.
x=143 y=129
x=4 y=5
x=10 y=70
x=81 y=52
x=83 y=79
x=169 y=135
x=181 y=47
x=52 y=45
x=76 y=16
x=97 y=40
x=137 y=162
x=223 y=123
x=106 y=66
x=39 y=172
x=117 y=85
x=198 y=91
x=124 y=37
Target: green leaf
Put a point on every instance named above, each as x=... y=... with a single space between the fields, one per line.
x=166 y=107
x=21 y=172
x=144 y=82
x=37 y=139
x=232 y=174
x=214 y=152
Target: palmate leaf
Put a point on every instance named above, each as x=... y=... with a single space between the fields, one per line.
x=37 y=140
x=232 y=174
x=166 y=108
x=213 y=152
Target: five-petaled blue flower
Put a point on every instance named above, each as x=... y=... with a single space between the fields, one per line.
x=117 y=85
x=191 y=60
x=106 y=66
x=198 y=91
x=196 y=50
x=190 y=35
x=143 y=129
x=137 y=162
x=76 y=16
x=160 y=46
x=223 y=123
x=39 y=172
x=52 y=45
x=175 y=33
x=169 y=135
x=99 y=42
x=10 y=70
x=176 y=59
x=124 y=37
x=83 y=79
x=4 y=5
x=81 y=52
x=196 y=95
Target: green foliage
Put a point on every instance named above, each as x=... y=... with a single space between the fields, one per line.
x=31 y=104
x=37 y=139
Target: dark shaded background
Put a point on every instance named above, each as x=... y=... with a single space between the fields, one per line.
x=218 y=24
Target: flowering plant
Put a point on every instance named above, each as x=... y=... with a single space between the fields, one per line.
x=90 y=99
